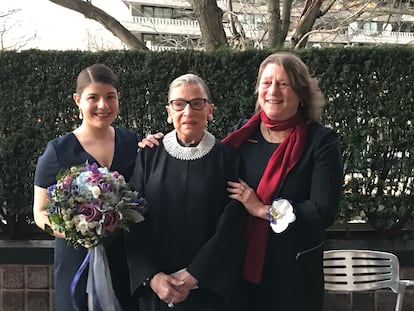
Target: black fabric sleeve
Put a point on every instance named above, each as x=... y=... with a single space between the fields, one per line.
x=217 y=265
x=139 y=244
x=47 y=167
x=137 y=177
x=320 y=211
x=140 y=253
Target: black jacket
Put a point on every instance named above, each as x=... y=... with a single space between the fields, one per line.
x=293 y=274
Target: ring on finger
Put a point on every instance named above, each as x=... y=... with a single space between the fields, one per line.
x=171 y=305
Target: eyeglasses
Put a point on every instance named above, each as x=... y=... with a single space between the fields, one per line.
x=195 y=103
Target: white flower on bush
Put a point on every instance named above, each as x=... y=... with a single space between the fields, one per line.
x=280 y=215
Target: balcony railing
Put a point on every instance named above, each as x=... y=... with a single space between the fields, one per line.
x=190 y=27
x=164 y=25
x=170 y=3
x=364 y=37
x=156 y=25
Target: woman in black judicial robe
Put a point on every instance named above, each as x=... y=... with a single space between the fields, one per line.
x=187 y=253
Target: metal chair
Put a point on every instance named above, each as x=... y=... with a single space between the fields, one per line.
x=362 y=270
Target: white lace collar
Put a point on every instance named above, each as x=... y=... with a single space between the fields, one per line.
x=188 y=153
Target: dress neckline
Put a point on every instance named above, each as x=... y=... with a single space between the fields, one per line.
x=91 y=156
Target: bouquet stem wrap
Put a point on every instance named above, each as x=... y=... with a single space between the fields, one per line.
x=101 y=296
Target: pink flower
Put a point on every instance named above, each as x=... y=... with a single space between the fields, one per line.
x=66 y=182
x=110 y=222
x=95 y=177
x=90 y=210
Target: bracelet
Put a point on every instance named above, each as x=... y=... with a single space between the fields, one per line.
x=147 y=281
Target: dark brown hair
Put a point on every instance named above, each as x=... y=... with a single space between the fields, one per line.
x=96 y=73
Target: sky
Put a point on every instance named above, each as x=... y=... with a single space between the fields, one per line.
x=44 y=25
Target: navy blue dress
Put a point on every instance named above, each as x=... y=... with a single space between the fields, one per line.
x=60 y=154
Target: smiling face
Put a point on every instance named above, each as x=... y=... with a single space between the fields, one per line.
x=99 y=104
x=189 y=123
x=275 y=93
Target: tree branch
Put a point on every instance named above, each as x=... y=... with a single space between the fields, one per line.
x=92 y=12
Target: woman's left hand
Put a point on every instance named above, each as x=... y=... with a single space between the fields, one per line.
x=241 y=192
x=189 y=282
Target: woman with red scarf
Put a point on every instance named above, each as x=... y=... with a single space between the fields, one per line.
x=291 y=184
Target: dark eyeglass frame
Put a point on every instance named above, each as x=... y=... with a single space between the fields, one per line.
x=191 y=102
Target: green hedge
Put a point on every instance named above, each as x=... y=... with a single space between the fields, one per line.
x=369 y=96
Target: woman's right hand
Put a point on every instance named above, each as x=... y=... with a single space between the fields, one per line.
x=40 y=213
x=151 y=140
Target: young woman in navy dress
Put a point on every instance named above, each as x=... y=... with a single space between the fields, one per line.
x=95 y=140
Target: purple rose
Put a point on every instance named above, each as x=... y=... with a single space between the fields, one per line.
x=106 y=186
x=90 y=167
x=90 y=210
x=111 y=219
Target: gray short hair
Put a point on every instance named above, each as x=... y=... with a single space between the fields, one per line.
x=189 y=78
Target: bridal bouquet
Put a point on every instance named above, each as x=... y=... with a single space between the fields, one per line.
x=91 y=204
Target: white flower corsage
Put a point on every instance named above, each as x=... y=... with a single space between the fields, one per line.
x=280 y=215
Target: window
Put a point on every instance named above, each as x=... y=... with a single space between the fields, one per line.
x=171 y=40
x=370 y=28
x=161 y=12
x=252 y=19
x=255 y=1
x=158 y=12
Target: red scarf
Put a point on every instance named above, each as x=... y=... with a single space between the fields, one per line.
x=280 y=163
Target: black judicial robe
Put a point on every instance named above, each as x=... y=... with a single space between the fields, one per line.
x=190 y=223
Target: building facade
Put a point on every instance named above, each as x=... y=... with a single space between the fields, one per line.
x=171 y=24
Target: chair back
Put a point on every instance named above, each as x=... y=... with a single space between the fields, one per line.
x=360 y=270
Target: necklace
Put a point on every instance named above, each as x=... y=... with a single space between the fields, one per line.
x=274 y=137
